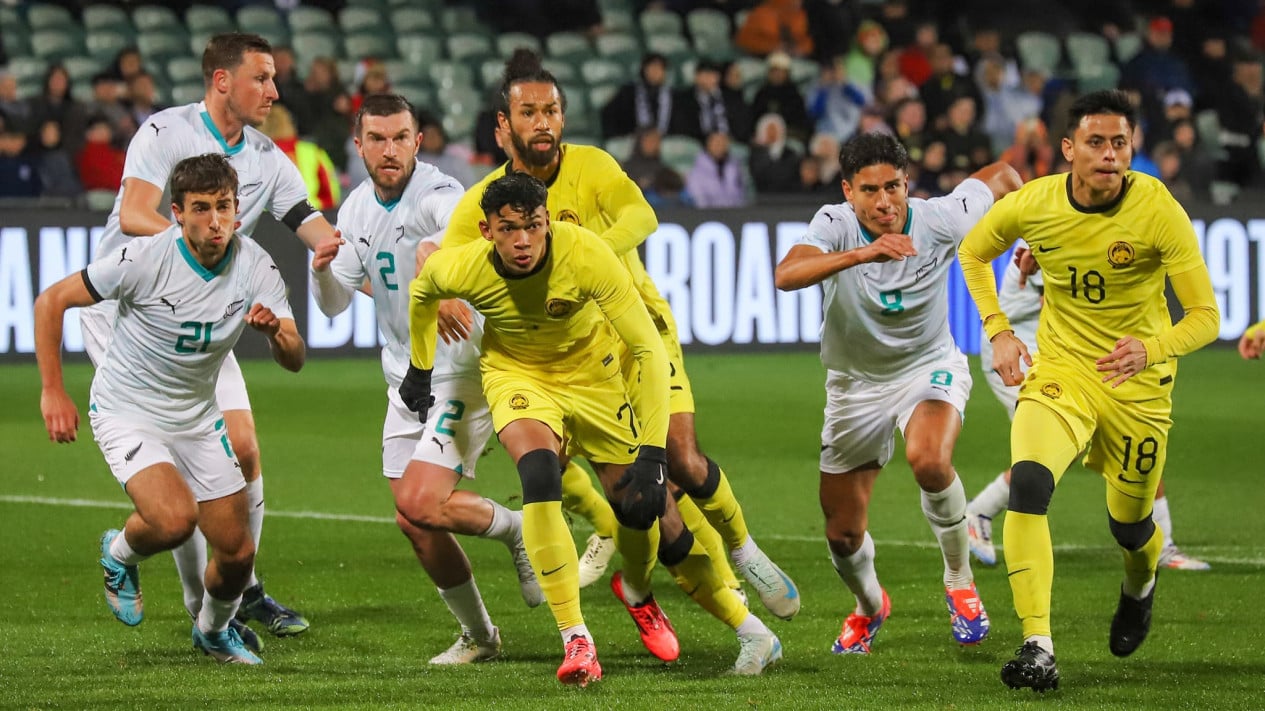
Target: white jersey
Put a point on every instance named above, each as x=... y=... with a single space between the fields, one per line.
x=266 y=179
x=383 y=241
x=177 y=321
x=885 y=319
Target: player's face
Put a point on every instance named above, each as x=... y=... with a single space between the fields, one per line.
x=1100 y=151
x=251 y=89
x=519 y=238
x=388 y=145
x=880 y=196
x=207 y=221
x=535 y=123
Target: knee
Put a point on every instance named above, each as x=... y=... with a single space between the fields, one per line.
x=540 y=473
x=844 y=540
x=1132 y=536
x=686 y=464
x=174 y=527
x=1031 y=488
x=933 y=470
x=243 y=558
x=419 y=509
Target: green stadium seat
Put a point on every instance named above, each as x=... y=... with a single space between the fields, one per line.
x=605 y=71
x=601 y=94
x=82 y=68
x=262 y=20
x=406 y=20
x=679 y=152
x=449 y=76
x=362 y=46
x=459 y=106
x=382 y=6
x=1087 y=49
x=569 y=46
x=1127 y=46
x=208 y=18
x=510 y=41
x=721 y=49
x=156 y=18
x=106 y=45
x=419 y=94
x=623 y=48
x=187 y=93
x=491 y=71
x=55 y=45
x=11 y=20
x=420 y=49
x=619 y=20
x=310 y=45
x=49 y=17
x=183 y=70
x=582 y=139
x=460 y=19
x=160 y=46
x=16 y=40
x=1097 y=77
x=106 y=17
x=356 y=19
x=708 y=22
x=564 y=72
x=28 y=69
x=660 y=22
x=198 y=42
x=305 y=18
x=620 y=147
x=675 y=47
x=469 y=46
x=402 y=71
x=1039 y=50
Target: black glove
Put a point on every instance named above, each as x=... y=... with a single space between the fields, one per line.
x=644 y=487
x=415 y=391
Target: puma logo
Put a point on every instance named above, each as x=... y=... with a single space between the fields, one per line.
x=438 y=443
x=163 y=300
x=123 y=256
x=156 y=128
x=363 y=241
x=963 y=200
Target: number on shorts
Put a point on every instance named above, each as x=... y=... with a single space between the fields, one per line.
x=458 y=409
x=387 y=271
x=201 y=332
x=228 y=451
x=1148 y=449
x=891 y=302
x=941 y=377
x=632 y=421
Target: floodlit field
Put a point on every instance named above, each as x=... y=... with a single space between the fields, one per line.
x=331 y=549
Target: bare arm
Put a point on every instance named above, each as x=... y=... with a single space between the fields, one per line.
x=61 y=417
x=1000 y=177
x=805 y=265
x=138 y=211
x=317 y=231
x=283 y=337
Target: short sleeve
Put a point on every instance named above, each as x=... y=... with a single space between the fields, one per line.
x=115 y=275
x=833 y=229
x=438 y=204
x=268 y=287
x=155 y=150
x=952 y=216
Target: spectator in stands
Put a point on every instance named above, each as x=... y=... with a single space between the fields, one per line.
x=1198 y=168
x=100 y=161
x=646 y=159
x=1240 y=107
x=451 y=160
x=374 y=81
x=142 y=97
x=915 y=59
x=313 y=162
x=716 y=179
x=542 y=17
x=810 y=181
x=898 y=21
x=1210 y=68
x=927 y=182
x=909 y=123
x=487 y=133
x=861 y=62
x=703 y=109
x=127 y=63
x=19 y=169
x=776 y=25
x=779 y=95
x=1156 y=69
x=15 y=111
x=1004 y=107
x=1168 y=159
x=1178 y=106
x=830 y=23
x=825 y=148
x=985 y=40
x=773 y=164
x=1030 y=154
x=57 y=174
x=56 y=104
x=1142 y=162
x=967 y=149
x=289 y=85
x=645 y=102
x=106 y=100
x=944 y=87
x=835 y=102
x=325 y=116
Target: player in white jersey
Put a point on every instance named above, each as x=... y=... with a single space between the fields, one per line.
x=184 y=296
x=891 y=363
x=238 y=71
x=403 y=203
x=1021 y=299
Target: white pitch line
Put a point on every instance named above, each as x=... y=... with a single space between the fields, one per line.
x=324 y=516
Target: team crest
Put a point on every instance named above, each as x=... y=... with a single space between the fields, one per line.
x=558 y=308
x=568 y=216
x=518 y=401
x=1120 y=254
x=1052 y=390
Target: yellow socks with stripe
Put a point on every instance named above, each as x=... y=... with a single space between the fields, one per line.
x=707 y=536
x=638 y=549
x=581 y=498
x=716 y=499
x=695 y=574
x=553 y=558
x=1030 y=564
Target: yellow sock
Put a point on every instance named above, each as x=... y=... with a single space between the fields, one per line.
x=1030 y=564
x=694 y=520
x=638 y=550
x=1140 y=565
x=724 y=514
x=696 y=575
x=554 y=560
x=581 y=498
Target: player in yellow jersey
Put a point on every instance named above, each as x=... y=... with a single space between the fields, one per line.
x=588 y=187
x=551 y=293
x=1105 y=238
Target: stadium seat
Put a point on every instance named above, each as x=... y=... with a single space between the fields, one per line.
x=451 y=76
x=156 y=18
x=160 y=46
x=81 y=91
x=182 y=70
x=510 y=41
x=709 y=22
x=1127 y=46
x=310 y=45
x=55 y=45
x=624 y=48
x=660 y=22
x=382 y=6
x=262 y=20
x=11 y=21
x=721 y=49
x=565 y=73
x=419 y=94
x=356 y=19
x=28 y=69
x=1039 y=50
x=49 y=17
x=420 y=49
x=82 y=68
x=802 y=71
x=363 y=45
x=679 y=152
x=187 y=93
x=675 y=47
x=583 y=139
x=305 y=18
x=604 y=71
x=16 y=40
x=600 y=95
x=460 y=19
x=106 y=45
x=106 y=17
x=459 y=105
x=1208 y=127
x=199 y=40
x=208 y=18
x=406 y=20
x=569 y=46
x=620 y=147
x=1095 y=77
x=469 y=46
x=402 y=71
x=1086 y=49
x=619 y=20
x=491 y=71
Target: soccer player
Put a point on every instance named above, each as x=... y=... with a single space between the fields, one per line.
x=1020 y=300
x=558 y=307
x=405 y=202
x=1105 y=238
x=238 y=72
x=891 y=364
x=587 y=187
x=184 y=297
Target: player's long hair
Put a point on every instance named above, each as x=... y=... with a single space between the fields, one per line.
x=525 y=66
x=866 y=149
x=1113 y=102
x=384 y=105
x=520 y=191
x=208 y=174
x=226 y=51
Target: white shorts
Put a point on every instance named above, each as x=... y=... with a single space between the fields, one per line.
x=456 y=432
x=862 y=417
x=97 y=324
x=201 y=454
x=1007 y=395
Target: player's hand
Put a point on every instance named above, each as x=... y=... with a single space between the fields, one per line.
x=1252 y=343
x=326 y=250
x=1126 y=361
x=262 y=319
x=643 y=488
x=1027 y=264
x=424 y=250
x=455 y=320
x=415 y=391
x=1008 y=351
x=890 y=247
x=61 y=417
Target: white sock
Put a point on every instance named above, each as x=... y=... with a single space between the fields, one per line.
x=946 y=513
x=506 y=525
x=857 y=572
x=255 y=510
x=751 y=626
x=993 y=499
x=216 y=614
x=580 y=629
x=745 y=552
x=190 y=558
x=121 y=550
x=1042 y=641
x=465 y=604
x=632 y=595
x=1163 y=519
x=1138 y=594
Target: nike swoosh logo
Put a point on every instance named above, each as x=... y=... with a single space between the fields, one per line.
x=1021 y=570
x=551 y=572
x=1044 y=249
x=1130 y=481
x=128 y=457
x=660 y=481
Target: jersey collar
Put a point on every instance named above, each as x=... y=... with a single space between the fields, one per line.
x=219 y=137
x=1095 y=209
x=909 y=224
x=196 y=266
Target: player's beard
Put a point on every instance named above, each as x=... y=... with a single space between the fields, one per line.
x=393 y=188
x=531 y=157
x=249 y=119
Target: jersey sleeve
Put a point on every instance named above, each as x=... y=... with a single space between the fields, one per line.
x=267 y=285
x=425 y=293
x=1175 y=238
x=952 y=216
x=115 y=275
x=347 y=266
x=155 y=150
x=833 y=229
x=288 y=187
x=987 y=240
x=438 y=204
x=463 y=224
x=632 y=218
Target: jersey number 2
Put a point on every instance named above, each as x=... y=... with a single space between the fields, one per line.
x=387 y=271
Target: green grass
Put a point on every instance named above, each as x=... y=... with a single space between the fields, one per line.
x=376 y=618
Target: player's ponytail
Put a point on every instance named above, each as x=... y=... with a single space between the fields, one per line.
x=525 y=66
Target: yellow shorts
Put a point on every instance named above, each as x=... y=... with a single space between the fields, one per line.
x=592 y=417
x=680 y=395
x=1126 y=442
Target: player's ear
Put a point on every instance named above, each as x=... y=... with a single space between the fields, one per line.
x=847 y=189
x=485 y=229
x=1066 y=144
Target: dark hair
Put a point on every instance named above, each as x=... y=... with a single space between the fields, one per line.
x=525 y=66
x=227 y=49
x=384 y=105
x=866 y=149
x=520 y=191
x=209 y=173
x=1107 y=101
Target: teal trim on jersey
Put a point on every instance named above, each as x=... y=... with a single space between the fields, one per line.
x=909 y=224
x=389 y=205
x=219 y=137
x=196 y=266
x=92 y=407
